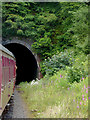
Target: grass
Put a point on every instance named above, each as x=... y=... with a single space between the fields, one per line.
x=55 y=97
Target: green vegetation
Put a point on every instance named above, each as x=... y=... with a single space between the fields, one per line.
x=63 y=95
x=55 y=98
x=73 y=61
x=56 y=62
x=59 y=33
x=52 y=27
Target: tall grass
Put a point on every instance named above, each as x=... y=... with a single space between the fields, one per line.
x=55 y=97
x=60 y=96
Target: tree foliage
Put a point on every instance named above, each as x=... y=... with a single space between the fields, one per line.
x=51 y=27
x=80 y=29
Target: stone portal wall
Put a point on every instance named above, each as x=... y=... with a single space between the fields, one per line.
x=27 y=43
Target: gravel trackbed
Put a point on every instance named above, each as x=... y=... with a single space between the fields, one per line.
x=15 y=108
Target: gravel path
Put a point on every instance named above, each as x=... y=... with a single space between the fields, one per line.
x=16 y=109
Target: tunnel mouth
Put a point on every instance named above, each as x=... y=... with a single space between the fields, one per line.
x=25 y=62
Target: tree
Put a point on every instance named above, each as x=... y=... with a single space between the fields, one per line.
x=51 y=27
x=80 y=29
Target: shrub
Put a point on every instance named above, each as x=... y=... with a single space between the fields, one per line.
x=20 y=32
x=79 y=70
x=56 y=62
x=73 y=74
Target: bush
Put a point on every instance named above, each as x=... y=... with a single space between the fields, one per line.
x=20 y=32
x=73 y=74
x=79 y=70
x=56 y=62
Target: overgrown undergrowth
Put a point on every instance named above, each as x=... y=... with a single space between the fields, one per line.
x=55 y=97
x=62 y=95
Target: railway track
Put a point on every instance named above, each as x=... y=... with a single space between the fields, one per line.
x=15 y=107
x=8 y=111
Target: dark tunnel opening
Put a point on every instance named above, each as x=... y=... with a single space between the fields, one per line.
x=25 y=61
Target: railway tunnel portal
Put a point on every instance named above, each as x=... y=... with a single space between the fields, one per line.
x=26 y=61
